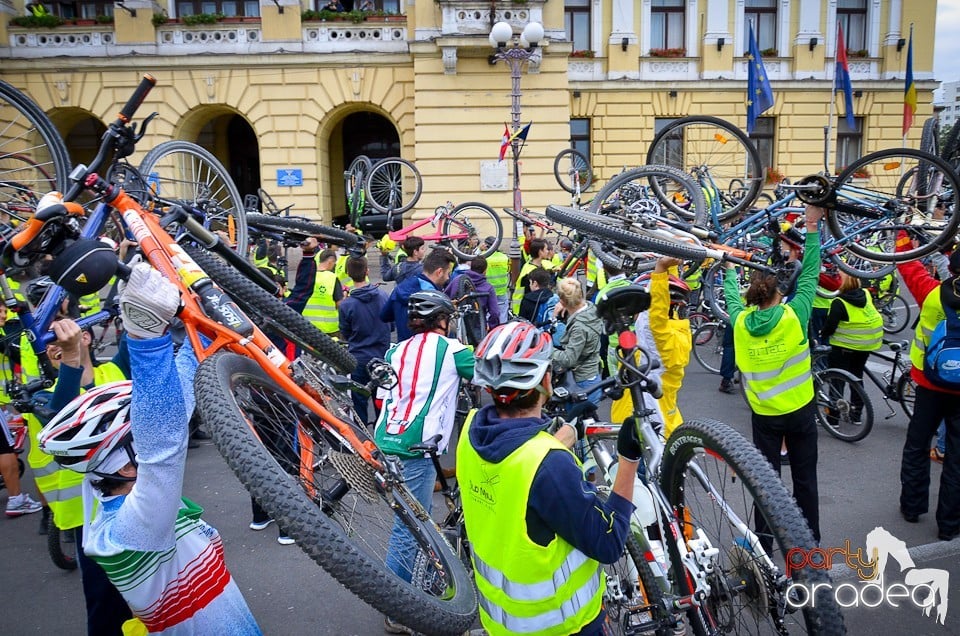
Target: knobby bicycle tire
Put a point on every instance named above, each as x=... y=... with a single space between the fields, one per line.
x=301 y=229
x=655 y=176
x=906 y=393
x=58 y=555
x=593 y=225
x=863 y=179
x=951 y=146
x=270 y=313
x=197 y=177
x=835 y=389
x=578 y=162
x=740 y=465
x=751 y=176
x=28 y=131
x=473 y=218
x=239 y=403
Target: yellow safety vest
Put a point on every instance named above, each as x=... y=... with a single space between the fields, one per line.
x=596 y=277
x=863 y=329
x=524 y=271
x=321 y=309
x=775 y=366
x=62 y=487
x=524 y=587
x=498 y=273
x=823 y=302
x=15 y=288
x=931 y=313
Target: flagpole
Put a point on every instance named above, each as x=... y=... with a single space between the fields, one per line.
x=828 y=129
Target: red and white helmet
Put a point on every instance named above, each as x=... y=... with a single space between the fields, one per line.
x=86 y=431
x=515 y=355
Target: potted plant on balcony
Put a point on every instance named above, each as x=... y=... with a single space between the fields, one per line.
x=769 y=52
x=104 y=19
x=582 y=53
x=858 y=53
x=159 y=19
x=774 y=176
x=677 y=52
x=202 y=18
x=39 y=18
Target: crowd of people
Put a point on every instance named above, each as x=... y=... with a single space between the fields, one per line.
x=120 y=447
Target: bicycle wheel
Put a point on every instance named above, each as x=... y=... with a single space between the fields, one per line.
x=712 y=474
x=571 y=166
x=61 y=546
x=872 y=203
x=22 y=183
x=717 y=154
x=951 y=146
x=269 y=313
x=299 y=229
x=652 y=189
x=28 y=134
x=183 y=171
x=838 y=393
x=393 y=185
x=353 y=183
x=895 y=312
x=335 y=505
x=618 y=231
x=713 y=289
x=930 y=136
x=470 y=324
x=860 y=267
x=906 y=393
x=708 y=345
x=467 y=225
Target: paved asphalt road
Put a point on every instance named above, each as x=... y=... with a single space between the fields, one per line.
x=288 y=594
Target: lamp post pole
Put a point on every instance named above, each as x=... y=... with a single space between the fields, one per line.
x=514 y=56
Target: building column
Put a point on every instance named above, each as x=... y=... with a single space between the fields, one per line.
x=623 y=48
x=807 y=61
x=718 y=45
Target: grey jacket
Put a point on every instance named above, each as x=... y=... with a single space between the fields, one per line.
x=580 y=345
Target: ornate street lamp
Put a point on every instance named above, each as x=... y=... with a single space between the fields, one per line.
x=515 y=54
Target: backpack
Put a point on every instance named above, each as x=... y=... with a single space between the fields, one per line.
x=941 y=359
x=545 y=311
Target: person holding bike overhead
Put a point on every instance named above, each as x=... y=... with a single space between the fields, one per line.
x=773 y=354
x=853 y=328
x=538 y=530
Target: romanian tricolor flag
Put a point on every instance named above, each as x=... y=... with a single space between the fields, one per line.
x=909 y=90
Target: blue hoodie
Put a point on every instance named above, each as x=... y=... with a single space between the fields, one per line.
x=561 y=501
x=367 y=336
x=396 y=308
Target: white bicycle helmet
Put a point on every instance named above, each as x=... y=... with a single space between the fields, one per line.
x=515 y=355
x=86 y=431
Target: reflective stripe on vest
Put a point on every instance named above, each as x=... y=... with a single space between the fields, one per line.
x=776 y=365
x=863 y=329
x=931 y=313
x=321 y=309
x=524 y=587
x=498 y=273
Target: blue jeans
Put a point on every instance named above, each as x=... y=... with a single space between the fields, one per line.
x=942 y=438
x=361 y=403
x=728 y=359
x=595 y=396
x=420 y=475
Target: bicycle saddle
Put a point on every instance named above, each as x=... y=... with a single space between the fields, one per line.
x=621 y=306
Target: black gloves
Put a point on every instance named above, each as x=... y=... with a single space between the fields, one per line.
x=628 y=442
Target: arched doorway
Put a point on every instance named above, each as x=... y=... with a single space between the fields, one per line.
x=232 y=139
x=361 y=133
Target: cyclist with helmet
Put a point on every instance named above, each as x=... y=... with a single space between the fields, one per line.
x=533 y=519
x=773 y=353
x=130 y=442
x=422 y=404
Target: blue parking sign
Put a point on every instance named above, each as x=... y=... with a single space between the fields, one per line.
x=289 y=177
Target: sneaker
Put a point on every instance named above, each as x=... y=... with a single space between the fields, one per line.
x=726 y=386
x=393 y=627
x=285 y=540
x=44 y=520
x=260 y=525
x=21 y=505
x=936 y=455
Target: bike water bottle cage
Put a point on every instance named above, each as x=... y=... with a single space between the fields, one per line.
x=621 y=306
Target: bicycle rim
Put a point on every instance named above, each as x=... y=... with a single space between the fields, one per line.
x=745 y=591
x=896 y=314
x=892 y=190
x=393 y=185
x=468 y=225
x=652 y=189
x=22 y=183
x=718 y=154
x=183 y=171
x=28 y=134
x=335 y=505
x=571 y=166
x=837 y=410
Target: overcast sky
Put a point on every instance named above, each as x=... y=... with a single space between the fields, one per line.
x=946 y=51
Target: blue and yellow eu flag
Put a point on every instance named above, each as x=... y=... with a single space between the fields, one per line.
x=759 y=93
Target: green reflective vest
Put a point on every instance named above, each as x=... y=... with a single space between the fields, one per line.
x=863 y=329
x=321 y=309
x=62 y=487
x=524 y=587
x=498 y=273
x=931 y=313
x=775 y=366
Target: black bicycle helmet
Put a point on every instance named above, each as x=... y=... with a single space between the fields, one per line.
x=36 y=289
x=429 y=303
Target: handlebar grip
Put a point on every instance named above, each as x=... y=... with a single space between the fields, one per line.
x=146 y=85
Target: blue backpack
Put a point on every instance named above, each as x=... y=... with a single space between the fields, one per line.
x=941 y=360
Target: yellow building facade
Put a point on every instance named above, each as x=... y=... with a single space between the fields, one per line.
x=274 y=90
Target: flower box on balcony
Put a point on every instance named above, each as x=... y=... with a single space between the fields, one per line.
x=583 y=53
x=46 y=21
x=668 y=52
x=858 y=53
x=202 y=18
